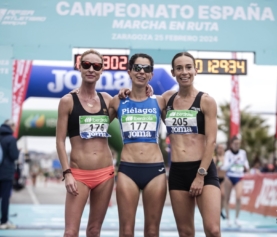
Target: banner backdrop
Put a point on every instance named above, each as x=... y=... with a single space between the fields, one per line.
x=48 y=30
x=21 y=75
x=259 y=194
x=5 y=83
x=55 y=79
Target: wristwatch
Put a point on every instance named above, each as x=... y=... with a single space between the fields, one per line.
x=202 y=171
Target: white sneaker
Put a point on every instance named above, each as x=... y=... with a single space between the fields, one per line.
x=229 y=222
x=7 y=225
x=237 y=223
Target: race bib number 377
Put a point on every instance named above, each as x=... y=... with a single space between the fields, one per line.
x=181 y=122
x=139 y=125
x=94 y=126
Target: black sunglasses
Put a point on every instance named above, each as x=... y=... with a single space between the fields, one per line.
x=146 y=68
x=87 y=65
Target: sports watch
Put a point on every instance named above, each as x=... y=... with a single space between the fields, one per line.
x=202 y=171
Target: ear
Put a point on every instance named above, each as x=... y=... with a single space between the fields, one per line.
x=172 y=73
x=196 y=70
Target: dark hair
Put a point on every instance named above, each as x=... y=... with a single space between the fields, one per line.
x=182 y=54
x=139 y=55
x=234 y=138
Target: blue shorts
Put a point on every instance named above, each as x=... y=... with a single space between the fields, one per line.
x=234 y=180
x=141 y=173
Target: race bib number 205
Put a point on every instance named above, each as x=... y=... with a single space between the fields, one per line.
x=94 y=126
x=181 y=121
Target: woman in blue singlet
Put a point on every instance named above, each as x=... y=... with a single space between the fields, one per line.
x=191 y=122
x=141 y=168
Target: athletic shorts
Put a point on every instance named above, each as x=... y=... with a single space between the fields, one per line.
x=182 y=174
x=141 y=173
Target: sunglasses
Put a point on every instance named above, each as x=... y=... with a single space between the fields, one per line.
x=146 y=68
x=87 y=65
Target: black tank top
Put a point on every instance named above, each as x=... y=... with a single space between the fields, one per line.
x=73 y=118
x=196 y=107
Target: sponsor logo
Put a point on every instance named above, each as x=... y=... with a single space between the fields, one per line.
x=126 y=101
x=181 y=130
x=87 y=120
x=196 y=109
x=139 y=111
x=139 y=134
x=18 y=17
x=161 y=169
x=129 y=118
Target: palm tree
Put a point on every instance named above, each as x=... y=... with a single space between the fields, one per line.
x=253 y=129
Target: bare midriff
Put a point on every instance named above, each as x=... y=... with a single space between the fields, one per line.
x=90 y=154
x=141 y=152
x=187 y=147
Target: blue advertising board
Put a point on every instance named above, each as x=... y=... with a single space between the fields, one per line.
x=58 y=80
x=48 y=30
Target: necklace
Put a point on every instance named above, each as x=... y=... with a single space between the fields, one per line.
x=87 y=100
x=90 y=105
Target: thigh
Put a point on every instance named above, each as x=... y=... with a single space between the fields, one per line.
x=183 y=206
x=99 y=201
x=209 y=206
x=74 y=207
x=227 y=188
x=153 y=199
x=239 y=188
x=127 y=195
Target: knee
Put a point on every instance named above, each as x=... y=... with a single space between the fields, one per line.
x=127 y=232
x=71 y=233
x=213 y=231
x=93 y=231
x=151 y=232
x=186 y=232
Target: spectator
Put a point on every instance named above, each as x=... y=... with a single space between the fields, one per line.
x=7 y=169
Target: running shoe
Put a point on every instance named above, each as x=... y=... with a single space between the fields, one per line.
x=7 y=225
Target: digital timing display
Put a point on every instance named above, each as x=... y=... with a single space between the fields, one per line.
x=111 y=62
x=221 y=66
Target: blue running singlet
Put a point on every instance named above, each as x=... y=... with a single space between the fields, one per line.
x=139 y=120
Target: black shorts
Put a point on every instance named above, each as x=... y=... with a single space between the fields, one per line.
x=221 y=180
x=182 y=174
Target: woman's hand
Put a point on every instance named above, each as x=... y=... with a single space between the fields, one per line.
x=71 y=184
x=196 y=187
x=124 y=92
x=75 y=91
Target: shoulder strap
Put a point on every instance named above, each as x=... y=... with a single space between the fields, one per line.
x=104 y=107
x=170 y=101
x=196 y=102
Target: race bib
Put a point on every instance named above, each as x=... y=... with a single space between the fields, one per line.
x=237 y=168
x=94 y=126
x=181 y=122
x=139 y=125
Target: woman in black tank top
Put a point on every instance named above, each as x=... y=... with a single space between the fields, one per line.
x=191 y=122
x=89 y=173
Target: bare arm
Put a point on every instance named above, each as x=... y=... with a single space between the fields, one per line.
x=65 y=106
x=209 y=108
x=113 y=106
x=161 y=102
